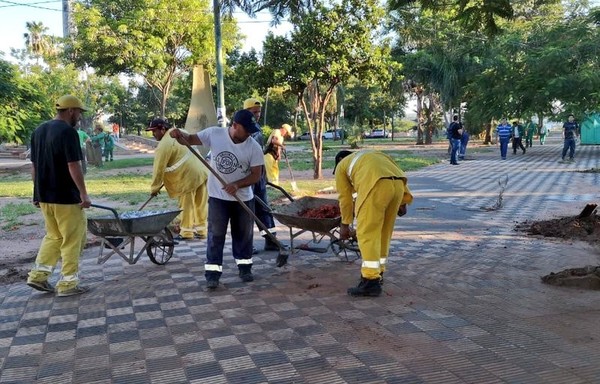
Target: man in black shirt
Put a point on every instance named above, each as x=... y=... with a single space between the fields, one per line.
x=59 y=190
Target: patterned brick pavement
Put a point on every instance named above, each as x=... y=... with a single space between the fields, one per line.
x=462 y=302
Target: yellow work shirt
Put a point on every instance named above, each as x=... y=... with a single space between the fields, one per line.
x=272 y=169
x=358 y=173
x=177 y=168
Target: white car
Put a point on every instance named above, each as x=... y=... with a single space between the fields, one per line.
x=329 y=135
x=379 y=134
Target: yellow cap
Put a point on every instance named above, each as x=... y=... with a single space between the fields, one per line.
x=69 y=101
x=249 y=103
x=287 y=128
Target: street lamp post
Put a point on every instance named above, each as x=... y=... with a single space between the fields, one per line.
x=221 y=112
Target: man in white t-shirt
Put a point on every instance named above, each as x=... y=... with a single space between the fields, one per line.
x=239 y=162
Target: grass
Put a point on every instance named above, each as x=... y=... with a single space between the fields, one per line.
x=132 y=186
x=11 y=214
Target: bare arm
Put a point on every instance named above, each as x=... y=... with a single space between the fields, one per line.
x=247 y=181
x=77 y=175
x=185 y=138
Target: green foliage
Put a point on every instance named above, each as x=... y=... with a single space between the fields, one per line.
x=327 y=47
x=157 y=40
x=22 y=105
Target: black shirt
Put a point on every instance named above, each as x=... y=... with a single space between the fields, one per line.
x=54 y=144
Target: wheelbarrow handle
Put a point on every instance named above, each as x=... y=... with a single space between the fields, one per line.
x=114 y=211
x=283 y=191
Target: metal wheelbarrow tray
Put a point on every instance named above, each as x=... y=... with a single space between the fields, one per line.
x=327 y=227
x=119 y=230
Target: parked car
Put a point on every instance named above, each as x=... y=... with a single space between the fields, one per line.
x=379 y=134
x=332 y=133
x=304 y=136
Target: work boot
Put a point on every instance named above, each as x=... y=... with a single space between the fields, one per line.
x=212 y=279
x=366 y=287
x=246 y=273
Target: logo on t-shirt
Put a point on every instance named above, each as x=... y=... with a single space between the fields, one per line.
x=227 y=162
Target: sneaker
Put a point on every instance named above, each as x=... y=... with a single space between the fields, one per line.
x=199 y=236
x=212 y=283
x=78 y=290
x=42 y=286
x=181 y=238
x=254 y=250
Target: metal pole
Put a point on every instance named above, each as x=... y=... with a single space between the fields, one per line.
x=221 y=113
x=266 y=105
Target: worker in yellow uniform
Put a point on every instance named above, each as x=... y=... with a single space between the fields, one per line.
x=381 y=194
x=184 y=177
x=277 y=136
x=273 y=151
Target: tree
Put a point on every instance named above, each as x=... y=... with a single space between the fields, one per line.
x=37 y=42
x=22 y=106
x=327 y=47
x=157 y=40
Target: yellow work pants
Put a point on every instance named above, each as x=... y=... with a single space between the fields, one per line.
x=194 y=212
x=375 y=225
x=66 y=229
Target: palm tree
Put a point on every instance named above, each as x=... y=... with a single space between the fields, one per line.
x=37 y=42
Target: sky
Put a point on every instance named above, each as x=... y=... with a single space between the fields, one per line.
x=15 y=13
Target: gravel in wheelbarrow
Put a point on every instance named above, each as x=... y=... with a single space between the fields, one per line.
x=131 y=223
x=290 y=214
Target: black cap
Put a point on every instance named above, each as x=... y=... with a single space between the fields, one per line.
x=340 y=155
x=246 y=119
x=158 y=123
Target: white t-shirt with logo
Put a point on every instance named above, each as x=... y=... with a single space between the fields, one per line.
x=232 y=161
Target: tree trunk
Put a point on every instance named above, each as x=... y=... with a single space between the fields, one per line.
x=488 y=133
x=419 y=94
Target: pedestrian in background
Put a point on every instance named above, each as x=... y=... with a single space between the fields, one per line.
x=518 y=132
x=184 y=177
x=59 y=191
x=464 y=141
x=381 y=194
x=239 y=161
x=84 y=138
x=543 y=133
x=570 y=133
x=455 y=132
x=109 y=146
x=503 y=135
x=530 y=130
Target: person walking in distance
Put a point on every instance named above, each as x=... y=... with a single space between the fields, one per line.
x=184 y=178
x=530 y=130
x=455 y=132
x=543 y=133
x=59 y=191
x=570 y=133
x=517 y=132
x=381 y=194
x=503 y=134
x=239 y=161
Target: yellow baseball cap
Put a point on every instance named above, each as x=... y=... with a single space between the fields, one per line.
x=249 y=103
x=69 y=101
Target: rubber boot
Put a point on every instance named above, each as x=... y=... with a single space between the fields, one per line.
x=366 y=287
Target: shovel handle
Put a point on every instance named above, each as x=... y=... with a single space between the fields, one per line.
x=150 y=198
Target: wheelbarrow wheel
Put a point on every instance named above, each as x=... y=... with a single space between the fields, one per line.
x=160 y=247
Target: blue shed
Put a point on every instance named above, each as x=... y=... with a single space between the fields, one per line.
x=590 y=130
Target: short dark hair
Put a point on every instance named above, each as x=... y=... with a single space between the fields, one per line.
x=339 y=157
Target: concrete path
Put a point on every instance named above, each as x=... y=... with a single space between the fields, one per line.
x=462 y=303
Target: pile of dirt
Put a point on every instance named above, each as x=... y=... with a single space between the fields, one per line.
x=570 y=228
x=567 y=228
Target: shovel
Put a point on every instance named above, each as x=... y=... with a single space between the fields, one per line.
x=294 y=186
x=282 y=258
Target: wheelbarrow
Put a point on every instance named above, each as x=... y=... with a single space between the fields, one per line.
x=119 y=230
x=321 y=228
